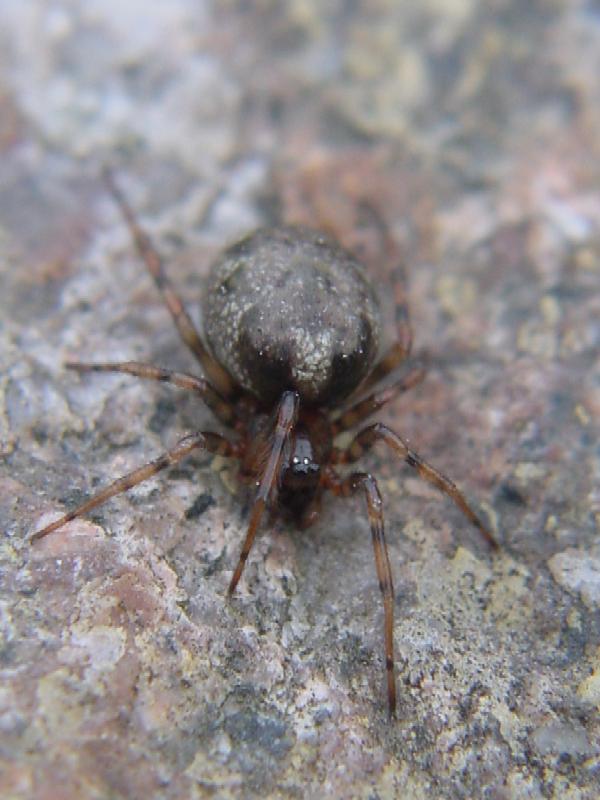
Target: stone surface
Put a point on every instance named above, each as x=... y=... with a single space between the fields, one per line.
x=474 y=130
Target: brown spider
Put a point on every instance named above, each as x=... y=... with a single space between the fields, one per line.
x=292 y=327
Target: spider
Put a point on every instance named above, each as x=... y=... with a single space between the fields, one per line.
x=292 y=329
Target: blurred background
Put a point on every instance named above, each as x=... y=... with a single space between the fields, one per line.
x=473 y=131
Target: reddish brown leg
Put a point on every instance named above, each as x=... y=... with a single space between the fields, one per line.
x=286 y=415
x=345 y=487
x=366 y=438
x=216 y=374
x=358 y=412
x=220 y=407
x=212 y=442
x=400 y=350
x=397 y=353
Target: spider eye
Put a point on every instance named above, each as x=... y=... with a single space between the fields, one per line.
x=303 y=463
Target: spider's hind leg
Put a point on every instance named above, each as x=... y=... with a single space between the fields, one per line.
x=400 y=350
x=154 y=264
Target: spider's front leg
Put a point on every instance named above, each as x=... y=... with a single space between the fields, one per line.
x=285 y=417
x=346 y=487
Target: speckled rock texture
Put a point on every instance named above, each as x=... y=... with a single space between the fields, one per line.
x=474 y=130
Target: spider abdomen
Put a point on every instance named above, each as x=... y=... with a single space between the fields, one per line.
x=287 y=308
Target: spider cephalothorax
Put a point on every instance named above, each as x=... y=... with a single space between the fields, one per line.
x=292 y=330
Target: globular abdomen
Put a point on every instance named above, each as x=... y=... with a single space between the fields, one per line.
x=288 y=308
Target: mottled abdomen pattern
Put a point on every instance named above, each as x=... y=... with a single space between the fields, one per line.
x=288 y=308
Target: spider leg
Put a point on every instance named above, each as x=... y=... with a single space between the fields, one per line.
x=287 y=413
x=401 y=349
x=366 y=438
x=217 y=404
x=369 y=405
x=212 y=442
x=346 y=487
x=154 y=264
x=396 y=354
